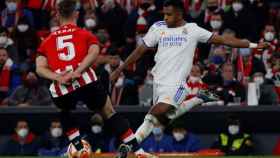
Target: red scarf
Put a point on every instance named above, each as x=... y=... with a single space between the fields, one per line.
x=194 y=87
x=245 y=70
x=5 y=76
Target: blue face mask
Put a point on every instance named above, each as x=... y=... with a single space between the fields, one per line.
x=157 y=131
x=244 y=52
x=217 y=59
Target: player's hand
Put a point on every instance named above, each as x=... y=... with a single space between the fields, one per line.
x=76 y=75
x=263 y=45
x=115 y=74
x=64 y=78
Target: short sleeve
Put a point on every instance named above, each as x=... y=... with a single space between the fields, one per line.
x=203 y=35
x=152 y=37
x=91 y=39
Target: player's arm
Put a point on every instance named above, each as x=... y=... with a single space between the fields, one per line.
x=132 y=58
x=87 y=62
x=235 y=42
x=43 y=70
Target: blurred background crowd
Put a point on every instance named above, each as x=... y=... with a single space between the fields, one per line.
x=234 y=74
x=120 y=25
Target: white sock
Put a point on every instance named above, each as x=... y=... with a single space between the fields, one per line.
x=185 y=107
x=146 y=128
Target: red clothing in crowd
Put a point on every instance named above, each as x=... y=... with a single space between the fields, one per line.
x=5 y=76
x=195 y=87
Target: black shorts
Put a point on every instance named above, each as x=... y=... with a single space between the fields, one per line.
x=93 y=95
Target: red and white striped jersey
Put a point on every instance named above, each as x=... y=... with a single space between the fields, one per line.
x=65 y=49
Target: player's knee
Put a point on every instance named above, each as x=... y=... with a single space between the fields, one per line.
x=159 y=109
x=107 y=111
x=151 y=118
x=157 y=119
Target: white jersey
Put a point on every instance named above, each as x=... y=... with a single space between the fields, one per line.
x=176 y=47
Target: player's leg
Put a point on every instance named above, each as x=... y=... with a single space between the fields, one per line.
x=203 y=96
x=166 y=99
x=117 y=125
x=158 y=114
x=66 y=104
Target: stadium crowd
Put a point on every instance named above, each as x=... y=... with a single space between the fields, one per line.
x=119 y=26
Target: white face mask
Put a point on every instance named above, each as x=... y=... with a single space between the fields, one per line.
x=22 y=27
x=54 y=28
x=194 y=79
x=215 y=24
x=90 y=23
x=56 y=132
x=11 y=6
x=233 y=129
x=258 y=80
x=237 y=6
x=178 y=136
x=3 y=40
x=22 y=132
x=269 y=36
x=96 y=129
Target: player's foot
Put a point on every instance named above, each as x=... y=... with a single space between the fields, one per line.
x=123 y=151
x=84 y=153
x=146 y=155
x=207 y=96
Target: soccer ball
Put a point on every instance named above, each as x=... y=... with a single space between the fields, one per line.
x=73 y=153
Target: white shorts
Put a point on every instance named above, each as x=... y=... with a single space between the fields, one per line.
x=173 y=95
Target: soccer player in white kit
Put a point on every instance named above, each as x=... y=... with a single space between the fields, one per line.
x=176 y=41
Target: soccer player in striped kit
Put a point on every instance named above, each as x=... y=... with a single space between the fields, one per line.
x=66 y=58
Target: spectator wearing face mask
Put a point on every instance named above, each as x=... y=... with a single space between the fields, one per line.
x=183 y=140
x=194 y=82
x=213 y=9
x=96 y=136
x=216 y=26
x=247 y=65
x=241 y=20
x=9 y=76
x=216 y=23
x=30 y=93
x=234 y=141
x=230 y=90
x=269 y=35
x=23 y=142
x=158 y=141
x=14 y=10
x=7 y=43
x=91 y=21
x=141 y=18
x=26 y=41
x=53 y=142
x=266 y=91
